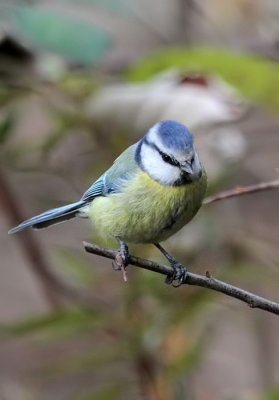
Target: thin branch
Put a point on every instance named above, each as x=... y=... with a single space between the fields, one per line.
x=51 y=284
x=207 y=281
x=240 y=190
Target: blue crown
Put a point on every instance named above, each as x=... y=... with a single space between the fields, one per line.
x=175 y=135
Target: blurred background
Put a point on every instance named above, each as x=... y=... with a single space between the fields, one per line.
x=80 y=81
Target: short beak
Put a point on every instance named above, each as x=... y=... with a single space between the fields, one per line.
x=192 y=168
x=188 y=168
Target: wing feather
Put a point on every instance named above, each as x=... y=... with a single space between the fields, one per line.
x=96 y=189
x=115 y=177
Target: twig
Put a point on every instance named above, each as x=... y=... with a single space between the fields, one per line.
x=240 y=190
x=51 y=284
x=207 y=281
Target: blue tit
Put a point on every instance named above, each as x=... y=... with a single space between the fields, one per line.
x=152 y=190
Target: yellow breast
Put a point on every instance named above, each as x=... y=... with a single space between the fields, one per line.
x=145 y=211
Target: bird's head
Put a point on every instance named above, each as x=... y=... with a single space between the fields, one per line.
x=167 y=154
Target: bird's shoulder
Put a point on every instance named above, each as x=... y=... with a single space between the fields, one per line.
x=122 y=169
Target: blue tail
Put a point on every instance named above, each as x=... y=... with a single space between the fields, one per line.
x=50 y=217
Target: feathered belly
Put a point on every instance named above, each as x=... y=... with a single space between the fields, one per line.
x=145 y=211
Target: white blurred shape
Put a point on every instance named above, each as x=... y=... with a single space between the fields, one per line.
x=227 y=143
x=50 y=67
x=195 y=100
x=205 y=104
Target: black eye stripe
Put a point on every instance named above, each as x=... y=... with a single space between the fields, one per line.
x=168 y=159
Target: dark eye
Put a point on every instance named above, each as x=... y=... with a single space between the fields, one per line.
x=168 y=159
x=192 y=159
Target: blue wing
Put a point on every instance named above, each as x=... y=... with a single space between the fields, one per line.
x=96 y=189
x=115 y=177
x=111 y=181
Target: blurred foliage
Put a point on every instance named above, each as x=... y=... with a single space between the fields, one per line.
x=58 y=30
x=75 y=40
x=166 y=347
x=170 y=345
x=272 y=395
x=254 y=77
x=57 y=324
x=75 y=264
x=6 y=127
x=161 y=335
x=113 y=391
x=121 y=6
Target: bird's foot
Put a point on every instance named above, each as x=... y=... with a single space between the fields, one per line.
x=121 y=259
x=179 y=274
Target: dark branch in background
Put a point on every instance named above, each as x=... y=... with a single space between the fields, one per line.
x=240 y=190
x=52 y=287
x=27 y=241
x=207 y=281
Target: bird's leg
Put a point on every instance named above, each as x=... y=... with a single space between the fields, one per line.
x=121 y=259
x=179 y=271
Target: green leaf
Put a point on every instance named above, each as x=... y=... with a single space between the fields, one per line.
x=255 y=77
x=6 y=127
x=74 y=39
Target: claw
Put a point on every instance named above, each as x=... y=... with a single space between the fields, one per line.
x=179 y=274
x=121 y=259
x=115 y=266
x=178 y=277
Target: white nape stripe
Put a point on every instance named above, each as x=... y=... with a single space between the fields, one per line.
x=153 y=164
x=153 y=135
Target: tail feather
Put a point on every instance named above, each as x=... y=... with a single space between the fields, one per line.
x=50 y=217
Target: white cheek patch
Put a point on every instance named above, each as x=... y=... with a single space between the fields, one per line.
x=158 y=169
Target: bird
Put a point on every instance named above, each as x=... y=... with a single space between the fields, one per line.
x=154 y=188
